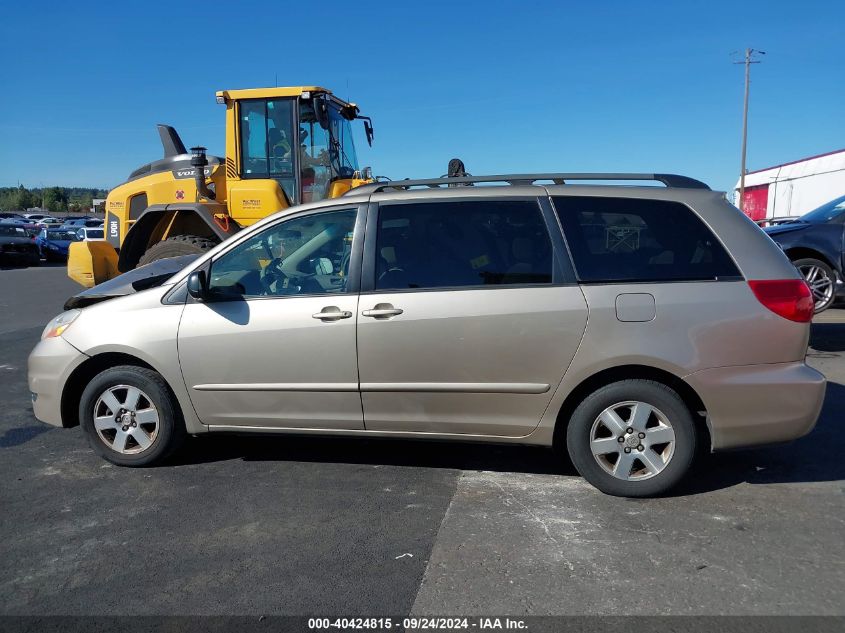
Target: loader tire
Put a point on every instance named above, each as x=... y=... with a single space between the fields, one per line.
x=177 y=246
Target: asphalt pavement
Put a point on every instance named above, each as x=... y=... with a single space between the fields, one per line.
x=281 y=525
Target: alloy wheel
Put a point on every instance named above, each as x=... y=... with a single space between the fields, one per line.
x=632 y=440
x=126 y=420
x=820 y=283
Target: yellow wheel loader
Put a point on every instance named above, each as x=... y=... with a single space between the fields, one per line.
x=284 y=146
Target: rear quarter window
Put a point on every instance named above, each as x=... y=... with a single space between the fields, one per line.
x=625 y=239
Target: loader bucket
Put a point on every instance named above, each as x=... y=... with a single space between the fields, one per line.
x=91 y=263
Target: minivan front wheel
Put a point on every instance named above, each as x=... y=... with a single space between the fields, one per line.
x=632 y=438
x=130 y=416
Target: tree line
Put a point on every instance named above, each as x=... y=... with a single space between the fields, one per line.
x=53 y=199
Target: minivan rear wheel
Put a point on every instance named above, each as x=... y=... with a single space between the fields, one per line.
x=130 y=416
x=632 y=438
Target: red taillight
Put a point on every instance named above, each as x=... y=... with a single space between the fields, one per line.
x=789 y=298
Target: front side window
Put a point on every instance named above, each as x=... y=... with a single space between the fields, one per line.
x=627 y=239
x=301 y=256
x=455 y=244
x=267 y=141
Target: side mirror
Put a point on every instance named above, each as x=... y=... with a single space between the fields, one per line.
x=198 y=285
x=368 y=130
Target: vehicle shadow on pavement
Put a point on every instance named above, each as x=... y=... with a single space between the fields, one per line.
x=814 y=458
x=827 y=337
x=377 y=452
x=21 y=435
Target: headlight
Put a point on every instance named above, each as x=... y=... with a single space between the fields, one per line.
x=60 y=324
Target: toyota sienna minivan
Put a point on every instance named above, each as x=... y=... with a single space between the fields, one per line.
x=631 y=326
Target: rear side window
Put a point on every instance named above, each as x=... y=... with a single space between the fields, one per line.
x=624 y=239
x=454 y=244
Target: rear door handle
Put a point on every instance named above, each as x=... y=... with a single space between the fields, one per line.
x=332 y=313
x=382 y=311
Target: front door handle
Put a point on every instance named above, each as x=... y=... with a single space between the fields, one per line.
x=382 y=311
x=332 y=313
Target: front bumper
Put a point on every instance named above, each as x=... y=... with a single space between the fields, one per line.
x=752 y=405
x=50 y=364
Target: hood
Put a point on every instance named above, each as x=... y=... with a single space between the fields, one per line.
x=791 y=227
x=144 y=277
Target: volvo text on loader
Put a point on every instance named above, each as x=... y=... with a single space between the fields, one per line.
x=284 y=146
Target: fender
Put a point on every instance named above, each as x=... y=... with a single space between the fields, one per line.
x=154 y=222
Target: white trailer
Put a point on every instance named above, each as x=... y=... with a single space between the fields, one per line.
x=794 y=188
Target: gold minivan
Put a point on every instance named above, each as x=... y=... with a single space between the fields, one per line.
x=630 y=325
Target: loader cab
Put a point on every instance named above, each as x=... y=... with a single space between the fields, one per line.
x=286 y=146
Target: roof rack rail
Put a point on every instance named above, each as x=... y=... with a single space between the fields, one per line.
x=670 y=180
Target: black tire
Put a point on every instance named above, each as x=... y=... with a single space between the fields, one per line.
x=655 y=394
x=177 y=246
x=827 y=271
x=170 y=430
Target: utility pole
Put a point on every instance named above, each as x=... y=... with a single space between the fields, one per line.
x=749 y=59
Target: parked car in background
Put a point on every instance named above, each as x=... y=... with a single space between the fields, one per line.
x=16 y=247
x=90 y=234
x=815 y=243
x=49 y=222
x=5 y=216
x=53 y=243
x=35 y=216
x=421 y=309
x=31 y=227
x=77 y=222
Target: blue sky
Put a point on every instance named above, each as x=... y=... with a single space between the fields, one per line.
x=506 y=86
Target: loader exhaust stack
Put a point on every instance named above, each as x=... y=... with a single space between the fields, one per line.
x=199 y=163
